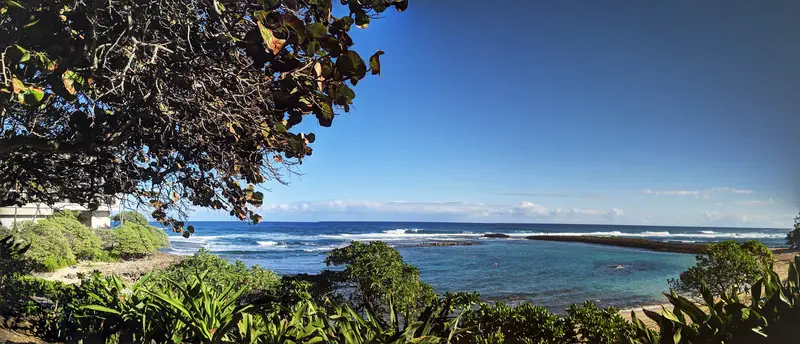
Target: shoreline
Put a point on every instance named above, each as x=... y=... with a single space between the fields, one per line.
x=647 y=244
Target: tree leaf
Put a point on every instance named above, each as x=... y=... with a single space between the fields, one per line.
x=69 y=78
x=33 y=96
x=17 y=85
x=317 y=30
x=375 y=62
x=274 y=44
x=362 y=19
x=12 y=3
x=401 y=5
x=351 y=65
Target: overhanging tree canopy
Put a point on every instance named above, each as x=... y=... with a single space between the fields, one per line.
x=176 y=103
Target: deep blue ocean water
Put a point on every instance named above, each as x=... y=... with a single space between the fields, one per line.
x=551 y=274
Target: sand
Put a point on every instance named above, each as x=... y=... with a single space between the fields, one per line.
x=129 y=270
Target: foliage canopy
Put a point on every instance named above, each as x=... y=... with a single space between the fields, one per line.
x=726 y=267
x=174 y=103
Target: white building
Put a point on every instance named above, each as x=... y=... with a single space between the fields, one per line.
x=32 y=212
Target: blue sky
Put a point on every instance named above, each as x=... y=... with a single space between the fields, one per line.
x=626 y=112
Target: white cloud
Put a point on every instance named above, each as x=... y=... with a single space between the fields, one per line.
x=706 y=194
x=756 y=203
x=672 y=192
x=466 y=209
x=730 y=189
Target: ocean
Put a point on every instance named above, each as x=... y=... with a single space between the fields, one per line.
x=551 y=274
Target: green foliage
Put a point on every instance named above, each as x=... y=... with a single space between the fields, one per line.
x=49 y=248
x=374 y=273
x=134 y=241
x=793 y=237
x=726 y=266
x=221 y=274
x=103 y=98
x=771 y=316
x=83 y=242
x=132 y=217
x=524 y=322
x=598 y=325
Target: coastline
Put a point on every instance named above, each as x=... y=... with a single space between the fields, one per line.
x=132 y=270
x=651 y=245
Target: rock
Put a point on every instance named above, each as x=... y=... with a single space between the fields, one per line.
x=496 y=235
x=10 y=321
x=23 y=325
x=441 y=243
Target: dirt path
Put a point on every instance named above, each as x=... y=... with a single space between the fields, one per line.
x=130 y=270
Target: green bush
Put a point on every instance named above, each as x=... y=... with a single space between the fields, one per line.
x=599 y=325
x=221 y=274
x=50 y=250
x=724 y=267
x=373 y=272
x=520 y=324
x=132 y=217
x=82 y=240
x=135 y=241
x=793 y=238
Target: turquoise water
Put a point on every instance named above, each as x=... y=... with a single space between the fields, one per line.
x=551 y=274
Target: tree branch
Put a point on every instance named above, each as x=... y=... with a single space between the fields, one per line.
x=12 y=144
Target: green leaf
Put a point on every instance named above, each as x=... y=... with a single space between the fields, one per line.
x=12 y=3
x=362 y=19
x=351 y=65
x=317 y=30
x=324 y=114
x=32 y=23
x=70 y=78
x=375 y=62
x=33 y=96
x=101 y=309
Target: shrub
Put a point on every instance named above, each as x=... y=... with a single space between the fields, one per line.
x=724 y=267
x=221 y=274
x=375 y=271
x=83 y=242
x=134 y=241
x=598 y=325
x=793 y=238
x=132 y=217
x=524 y=323
x=50 y=250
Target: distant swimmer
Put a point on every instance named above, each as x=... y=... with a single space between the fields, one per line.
x=495 y=264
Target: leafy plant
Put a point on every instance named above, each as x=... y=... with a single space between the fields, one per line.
x=49 y=248
x=221 y=274
x=133 y=240
x=132 y=217
x=374 y=273
x=597 y=325
x=724 y=267
x=83 y=242
x=793 y=238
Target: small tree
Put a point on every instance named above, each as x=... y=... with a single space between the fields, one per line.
x=793 y=238
x=724 y=267
x=132 y=217
x=376 y=275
